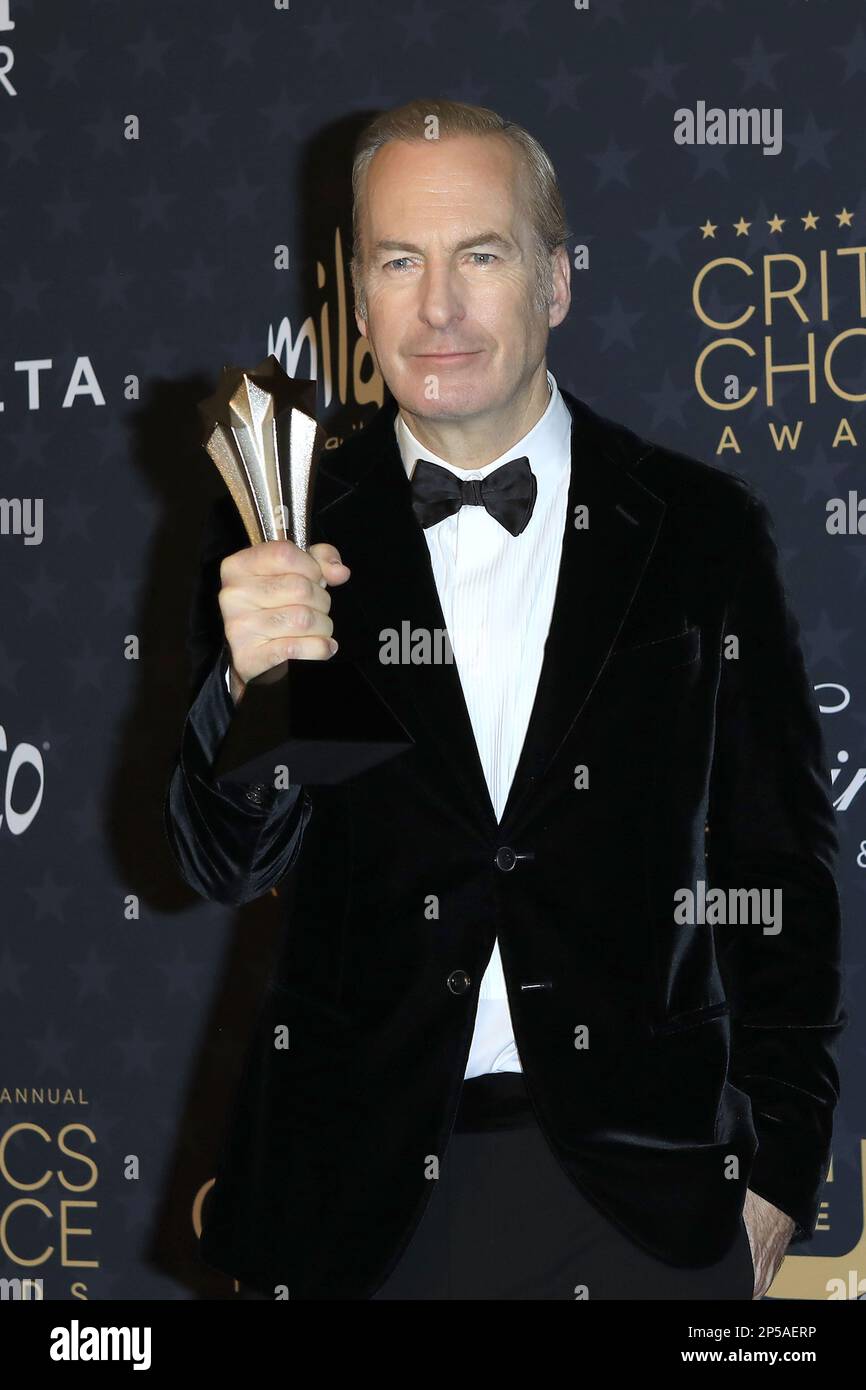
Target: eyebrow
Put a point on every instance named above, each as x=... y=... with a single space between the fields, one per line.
x=489 y=238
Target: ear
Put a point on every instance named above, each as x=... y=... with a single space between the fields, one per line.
x=561 y=277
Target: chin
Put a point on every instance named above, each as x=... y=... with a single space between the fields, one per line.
x=454 y=400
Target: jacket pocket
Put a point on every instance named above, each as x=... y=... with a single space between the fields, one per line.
x=691 y=1018
x=680 y=649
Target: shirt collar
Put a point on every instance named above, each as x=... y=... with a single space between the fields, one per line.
x=543 y=444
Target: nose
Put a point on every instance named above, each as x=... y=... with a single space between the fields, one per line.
x=441 y=302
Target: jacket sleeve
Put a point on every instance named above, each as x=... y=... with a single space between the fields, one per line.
x=230 y=843
x=772 y=826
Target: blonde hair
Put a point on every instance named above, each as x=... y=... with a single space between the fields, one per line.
x=410 y=122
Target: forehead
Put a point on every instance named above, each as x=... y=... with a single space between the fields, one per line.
x=462 y=175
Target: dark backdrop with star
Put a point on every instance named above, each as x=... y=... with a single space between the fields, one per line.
x=156 y=157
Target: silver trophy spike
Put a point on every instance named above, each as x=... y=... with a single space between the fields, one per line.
x=322 y=720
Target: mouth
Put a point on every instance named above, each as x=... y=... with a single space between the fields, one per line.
x=447 y=356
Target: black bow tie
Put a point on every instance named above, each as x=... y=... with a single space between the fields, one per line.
x=508 y=493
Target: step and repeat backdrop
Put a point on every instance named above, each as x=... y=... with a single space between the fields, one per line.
x=175 y=197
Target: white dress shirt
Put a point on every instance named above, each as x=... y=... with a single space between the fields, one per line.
x=496 y=591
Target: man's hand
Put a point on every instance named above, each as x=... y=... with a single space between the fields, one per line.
x=769 y=1231
x=274 y=603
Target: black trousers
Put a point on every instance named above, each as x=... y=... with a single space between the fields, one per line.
x=504 y=1221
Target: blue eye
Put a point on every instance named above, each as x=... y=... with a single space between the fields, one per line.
x=400 y=262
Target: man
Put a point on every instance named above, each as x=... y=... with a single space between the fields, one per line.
x=514 y=1070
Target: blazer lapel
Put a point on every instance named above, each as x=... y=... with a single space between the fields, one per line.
x=363 y=506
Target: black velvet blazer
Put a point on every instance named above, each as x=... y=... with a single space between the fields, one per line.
x=670 y=1064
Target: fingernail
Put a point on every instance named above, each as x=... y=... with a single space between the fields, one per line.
x=333 y=644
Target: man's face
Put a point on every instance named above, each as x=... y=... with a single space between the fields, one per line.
x=450 y=276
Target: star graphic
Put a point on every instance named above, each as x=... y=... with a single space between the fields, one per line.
x=62 y=61
x=25 y=291
x=107 y=132
x=658 y=78
x=776 y=223
x=611 y=164
x=182 y=975
x=43 y=593
x=561 y=88
x=21 y=142
x=709 y=229
x=138 y=1051
x=195 y=125
x=284 y=114
x=152 y=206
x=617 y=325
x=844 y=218
x=667 y=402
x=112 y=285
x=757 y=66
x=860 y=214
x=87 y=666
x=92 y=975
x=742 y=227
x=65 y=213
x=236 y=44
x=51 y=1050
x=854 y=54
x=240 y=197
x=326 y=34
x=664 y=239
x=48 y=896
x=810 y=144
x=198 y=279
x=29 y=441
x=810 y=221
x=119 y=590
x=157 y=357
x=149 y=54
x=824 y=643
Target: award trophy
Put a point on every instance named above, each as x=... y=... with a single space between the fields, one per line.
x=324 y=722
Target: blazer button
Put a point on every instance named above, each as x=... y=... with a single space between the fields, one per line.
x=256 y=794
x=505 y=858
x=458 y=982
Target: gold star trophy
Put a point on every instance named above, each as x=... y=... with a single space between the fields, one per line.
x=321 y=720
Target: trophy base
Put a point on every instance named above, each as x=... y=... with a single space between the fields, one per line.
x=322 y=721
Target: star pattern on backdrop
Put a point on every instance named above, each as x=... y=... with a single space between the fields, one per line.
x=153 y=258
